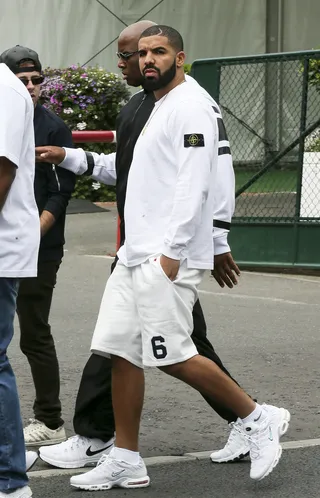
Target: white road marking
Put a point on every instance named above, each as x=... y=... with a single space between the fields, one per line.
x=161 y=460
x=283 y=276
x=260 y=298
x=101 y=256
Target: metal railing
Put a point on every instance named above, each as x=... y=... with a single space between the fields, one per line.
x=271 y=106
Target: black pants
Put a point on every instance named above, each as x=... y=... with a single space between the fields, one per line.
x=93 y=416
x=36 y=341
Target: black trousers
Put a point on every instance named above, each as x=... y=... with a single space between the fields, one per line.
x=93 y=416
x=36 y=341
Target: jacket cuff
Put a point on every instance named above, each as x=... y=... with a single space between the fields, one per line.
x=75 y=161
x=56 y=206
x=220 y=244
x=170 y=252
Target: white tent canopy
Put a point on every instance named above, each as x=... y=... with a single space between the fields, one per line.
x=66 y=32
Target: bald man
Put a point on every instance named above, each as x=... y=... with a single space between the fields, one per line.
x=93 y=419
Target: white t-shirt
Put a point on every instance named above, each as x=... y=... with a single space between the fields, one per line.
x=19 y=217
x=171 y=183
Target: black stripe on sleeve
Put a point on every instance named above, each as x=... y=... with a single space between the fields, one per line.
x=90 y=162
x=221 y=224
x=224 y=150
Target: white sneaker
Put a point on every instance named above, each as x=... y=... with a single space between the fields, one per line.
x=24 y=492
x=237 y=446
x=111 y=473
x=36 y=433
x=77 y=451
x=264 y=437
x=31 y=458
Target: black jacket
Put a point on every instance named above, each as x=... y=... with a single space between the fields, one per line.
x=53 y=186
x=129 y=124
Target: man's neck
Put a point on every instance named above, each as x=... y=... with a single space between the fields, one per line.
x=177 y=80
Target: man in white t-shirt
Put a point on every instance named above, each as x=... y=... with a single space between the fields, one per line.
x=145 y=317
x=20 y=236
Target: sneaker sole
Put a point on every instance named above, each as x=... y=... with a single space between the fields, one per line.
x=33 y=464
x=45 y=442
x=70 y=465
x=282 y=429
x=143 y=482
x=231 y=459
x=27 y=493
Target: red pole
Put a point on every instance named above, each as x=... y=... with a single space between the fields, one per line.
x=102 y=136
x=96 y=136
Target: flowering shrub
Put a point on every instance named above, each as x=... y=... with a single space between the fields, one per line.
x=86 y=98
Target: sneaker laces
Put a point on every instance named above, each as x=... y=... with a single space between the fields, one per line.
x=255 y=440
x=34 y=425
x=103 y=459
x=235 y=430
x=76 y=441
x=254 y=447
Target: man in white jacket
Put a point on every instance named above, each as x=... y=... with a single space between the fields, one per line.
x=145 y=317
x=93 y=418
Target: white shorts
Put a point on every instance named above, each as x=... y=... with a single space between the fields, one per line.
x=146 y=318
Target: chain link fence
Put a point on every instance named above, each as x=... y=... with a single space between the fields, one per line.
x=271 y=109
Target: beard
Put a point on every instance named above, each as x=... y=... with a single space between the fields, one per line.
x=151 y=84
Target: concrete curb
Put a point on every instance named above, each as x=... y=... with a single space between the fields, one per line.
x=165 y=460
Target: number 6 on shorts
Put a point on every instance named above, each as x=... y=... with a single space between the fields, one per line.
x=159 y=351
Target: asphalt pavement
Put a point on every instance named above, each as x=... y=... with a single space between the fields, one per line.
x=297 y=476
x=266 y=331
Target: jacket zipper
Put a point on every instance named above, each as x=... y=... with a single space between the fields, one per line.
x=56 y=175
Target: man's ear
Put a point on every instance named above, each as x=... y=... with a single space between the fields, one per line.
x=180 y=58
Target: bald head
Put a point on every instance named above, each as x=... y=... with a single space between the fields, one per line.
x=128 y=52
x=133 y=32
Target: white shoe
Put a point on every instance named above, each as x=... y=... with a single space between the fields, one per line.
x=237 y=446
x=31 y=458
x=264 y=437
x=24 y=492
x=76 y=452
x=36 y=433
x=111 y=473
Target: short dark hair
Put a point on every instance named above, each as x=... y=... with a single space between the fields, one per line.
x=174 y=37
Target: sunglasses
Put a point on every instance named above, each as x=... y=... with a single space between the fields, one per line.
x=36 y=80
x=126 y=55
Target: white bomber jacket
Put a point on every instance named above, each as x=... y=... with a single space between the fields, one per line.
x=102 y=167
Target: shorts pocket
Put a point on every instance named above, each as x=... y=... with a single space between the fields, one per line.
x=155 y=262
